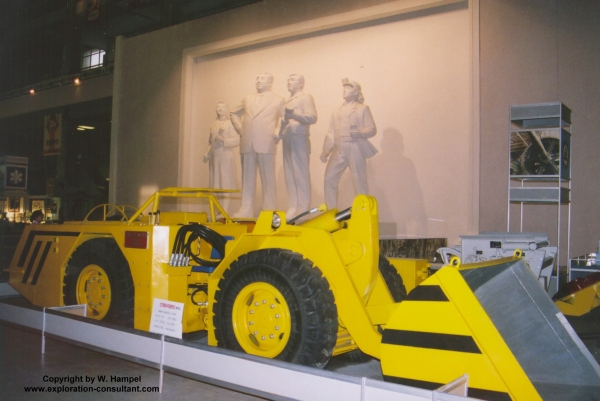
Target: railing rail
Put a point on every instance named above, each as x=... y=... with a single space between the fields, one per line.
x=63 y=80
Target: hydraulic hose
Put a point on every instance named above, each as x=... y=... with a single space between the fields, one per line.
x=182 y=249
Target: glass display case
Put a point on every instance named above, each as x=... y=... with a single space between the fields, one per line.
x=540 y=165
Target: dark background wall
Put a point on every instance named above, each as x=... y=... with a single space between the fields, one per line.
x=535 y=51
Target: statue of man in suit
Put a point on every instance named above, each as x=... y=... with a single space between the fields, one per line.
x=347 y=142
x=300 y=113
x=257 y=119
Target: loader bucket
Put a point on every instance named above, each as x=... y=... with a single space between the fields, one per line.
x=579 y=296
x=495 y=322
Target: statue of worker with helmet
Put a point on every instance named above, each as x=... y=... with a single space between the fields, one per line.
x=347 y=143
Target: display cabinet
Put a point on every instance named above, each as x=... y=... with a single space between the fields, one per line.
x=540 y=168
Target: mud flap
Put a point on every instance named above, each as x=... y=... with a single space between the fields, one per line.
x=495 y=322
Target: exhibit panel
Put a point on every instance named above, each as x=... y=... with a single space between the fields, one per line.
x=416 y=77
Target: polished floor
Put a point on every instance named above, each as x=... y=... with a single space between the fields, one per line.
x=22 y=365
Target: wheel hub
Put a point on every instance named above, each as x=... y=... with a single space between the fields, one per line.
x=261 y=320
x=93 y=289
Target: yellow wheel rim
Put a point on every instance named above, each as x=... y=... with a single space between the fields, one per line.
x=93 y=289
x=261 y=320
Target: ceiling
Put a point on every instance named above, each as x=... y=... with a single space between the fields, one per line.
x=43 y=39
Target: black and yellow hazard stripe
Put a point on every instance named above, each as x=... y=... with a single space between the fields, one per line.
x=446 y=342
x=438 y=341
x=420 y=339
x=25 y=252
x=427 y=293
x=440 y=332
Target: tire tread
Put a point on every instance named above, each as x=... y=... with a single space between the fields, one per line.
x=105 y=253
x=314 y=343
x=392 y=279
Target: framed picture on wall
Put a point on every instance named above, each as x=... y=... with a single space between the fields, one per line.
x=14 y=204
x=37 y=204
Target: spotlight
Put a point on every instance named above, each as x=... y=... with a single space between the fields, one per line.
x=76 y=81
x=276 y=221
x=32 y=91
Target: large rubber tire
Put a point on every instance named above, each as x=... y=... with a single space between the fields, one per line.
x=354 y=356
x=276 y=304
x=98 y=275
x=392 y=279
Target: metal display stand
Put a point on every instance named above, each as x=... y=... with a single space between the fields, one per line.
x=540 y=167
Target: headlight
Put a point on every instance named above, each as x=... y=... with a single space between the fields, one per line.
x=276 y=222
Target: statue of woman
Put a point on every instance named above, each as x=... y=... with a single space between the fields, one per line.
x=220 y=156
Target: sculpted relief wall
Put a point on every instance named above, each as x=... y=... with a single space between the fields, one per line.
x=415 y=76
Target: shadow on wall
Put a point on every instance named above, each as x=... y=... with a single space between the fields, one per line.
x=398 y=191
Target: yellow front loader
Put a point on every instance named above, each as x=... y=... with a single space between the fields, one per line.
x=305 y=291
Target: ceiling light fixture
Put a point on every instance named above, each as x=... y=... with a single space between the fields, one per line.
x=85 y=127
x=76 y=81
x=32 y=91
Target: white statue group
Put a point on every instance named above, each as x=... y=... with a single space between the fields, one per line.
x=263 y=118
